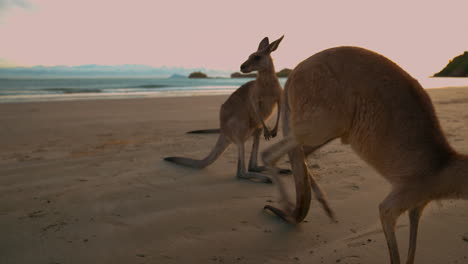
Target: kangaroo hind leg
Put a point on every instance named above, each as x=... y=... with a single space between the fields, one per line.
x=313 y=138
x=242 y=173
x=293 y=213
x=396 y=203
x=414 y=216
x=303 y=182
x=253 y=162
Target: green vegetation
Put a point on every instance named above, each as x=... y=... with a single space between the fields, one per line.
x=284 y=73
x=198 y=75
x=457 y=67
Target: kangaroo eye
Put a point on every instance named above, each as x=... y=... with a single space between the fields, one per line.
x=257 y=57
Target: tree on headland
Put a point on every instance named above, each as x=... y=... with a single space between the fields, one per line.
x=284 y=73
x=457 y=67
x=198 y=75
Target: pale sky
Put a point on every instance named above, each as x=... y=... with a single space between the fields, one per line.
x=421 y=36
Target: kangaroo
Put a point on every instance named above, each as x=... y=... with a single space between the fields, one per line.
x=386 y=117
x=244 y=114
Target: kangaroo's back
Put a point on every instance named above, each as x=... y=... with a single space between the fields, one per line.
x=372 y=104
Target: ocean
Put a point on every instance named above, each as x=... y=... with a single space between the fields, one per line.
x=62 y=89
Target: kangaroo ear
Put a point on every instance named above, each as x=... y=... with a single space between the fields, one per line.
x=263 y=44
x=274 y=45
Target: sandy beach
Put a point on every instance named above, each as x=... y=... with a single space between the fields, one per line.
x=84 y=182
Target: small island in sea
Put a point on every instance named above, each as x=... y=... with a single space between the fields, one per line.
x=457 y=67
x=197 y=75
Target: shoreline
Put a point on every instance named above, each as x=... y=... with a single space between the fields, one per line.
x=71 y=89
x=109 y=96
x=11 y=99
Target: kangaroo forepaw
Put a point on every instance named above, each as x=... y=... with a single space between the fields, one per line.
x=285 y=215
x=267 y=134
x=170 y=159
x=274 y=132
x=327 y=209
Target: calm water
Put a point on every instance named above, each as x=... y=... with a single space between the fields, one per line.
x=48 y=89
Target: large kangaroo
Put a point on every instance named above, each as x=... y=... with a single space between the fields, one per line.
x=244 y=114
x=386 y=117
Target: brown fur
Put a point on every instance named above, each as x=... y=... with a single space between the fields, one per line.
x=244 y=114
x=386 y=117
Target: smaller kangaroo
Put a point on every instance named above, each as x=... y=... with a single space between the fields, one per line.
x=244 y=114
x=387 y=118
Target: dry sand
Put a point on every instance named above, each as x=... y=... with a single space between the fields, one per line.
x=84 y=182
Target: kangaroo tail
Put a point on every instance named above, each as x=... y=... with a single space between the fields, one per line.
x=205 y=131
x=221 y=145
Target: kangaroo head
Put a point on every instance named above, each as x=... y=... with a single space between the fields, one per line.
x=261 y=59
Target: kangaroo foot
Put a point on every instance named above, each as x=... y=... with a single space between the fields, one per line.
x=255 y=177
x=264 y=168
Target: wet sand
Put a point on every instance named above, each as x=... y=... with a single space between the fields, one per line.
x=84 y=182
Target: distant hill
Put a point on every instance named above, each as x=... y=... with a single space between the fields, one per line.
x=177 y=76
x=93 y=70
x=457 y=67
